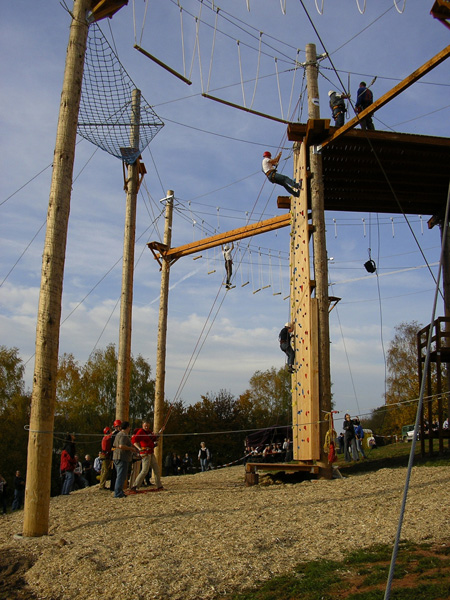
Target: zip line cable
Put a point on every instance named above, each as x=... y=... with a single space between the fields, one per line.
x=419 y=409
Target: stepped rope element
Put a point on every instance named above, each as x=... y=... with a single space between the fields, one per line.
x=105 y=108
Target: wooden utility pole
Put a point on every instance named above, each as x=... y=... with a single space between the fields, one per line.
x=320 y=250
x=162 y=331
x=126 y=305
x=40 y=441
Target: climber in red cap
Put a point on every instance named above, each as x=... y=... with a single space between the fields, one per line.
x=269 y=166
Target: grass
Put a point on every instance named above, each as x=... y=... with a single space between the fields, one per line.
x=422 y=571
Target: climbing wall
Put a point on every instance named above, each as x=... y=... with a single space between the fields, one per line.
x=305 y=379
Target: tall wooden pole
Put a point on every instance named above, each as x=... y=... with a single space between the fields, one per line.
x=320 y=250
x=158 y=419
x=40 y=441
x=126 y=304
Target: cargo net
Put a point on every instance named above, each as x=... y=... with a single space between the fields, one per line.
x=107 y=114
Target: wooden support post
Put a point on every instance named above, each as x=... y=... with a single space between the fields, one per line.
x=158 y=419
x=320 y=255
x=126 y=304
x=40 y=441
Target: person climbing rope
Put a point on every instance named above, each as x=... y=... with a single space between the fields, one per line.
x=269 y=166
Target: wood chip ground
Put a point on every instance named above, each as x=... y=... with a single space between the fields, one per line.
x=208 y=534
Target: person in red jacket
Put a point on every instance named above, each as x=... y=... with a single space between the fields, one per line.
x=68 y=464
x=145 y=441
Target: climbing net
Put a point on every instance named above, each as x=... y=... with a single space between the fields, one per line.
x=106 y=109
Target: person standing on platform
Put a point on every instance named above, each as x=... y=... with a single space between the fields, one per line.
x=364 y=99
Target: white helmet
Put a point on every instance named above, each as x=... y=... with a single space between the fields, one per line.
x=331 y=92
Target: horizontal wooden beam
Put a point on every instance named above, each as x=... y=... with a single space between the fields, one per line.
x=244 y=108
x=395 y=91
x=222 y=238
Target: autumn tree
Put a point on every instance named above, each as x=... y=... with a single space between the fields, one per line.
x=402 y=383
x=15 y=415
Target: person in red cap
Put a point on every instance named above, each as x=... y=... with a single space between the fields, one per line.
x=269 y=166
x=145 y=440
x=117 y=425
x=107 y=463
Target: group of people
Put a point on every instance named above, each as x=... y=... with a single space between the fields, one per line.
x=350 y=442
x=19 y=492
x=364 y=98
x=114 y=462
x=276 y=452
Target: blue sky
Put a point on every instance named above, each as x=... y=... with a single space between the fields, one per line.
x=210 y=154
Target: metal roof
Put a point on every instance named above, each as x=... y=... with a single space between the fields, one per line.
x=380 y=171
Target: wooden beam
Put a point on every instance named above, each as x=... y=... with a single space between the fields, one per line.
x=403 y=85
x=222 y=238
x=249 y=110
x=161 y=64
x=106 y=8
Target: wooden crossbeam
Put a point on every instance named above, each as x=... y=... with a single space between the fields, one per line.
x=161 y=64
x=221 y=238
x=249 y=110
x=403 y=85
x=106 y=8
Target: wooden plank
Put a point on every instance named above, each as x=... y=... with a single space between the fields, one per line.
x=161 y=64
x=249 y=110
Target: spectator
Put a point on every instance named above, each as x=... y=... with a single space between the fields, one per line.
x=359 y=433
x=122 y=453
x=204 y=456
x=371 y=442
x=80 y=482
x=117 y=424
x=168 y=464
x=3 y=486
x=145 y=441
x=350 y=450
x=187 y=464
x=19 y=491
x=88 y=470
x=106 y=456
x=340 y=441
x=68 y=464
x=98 y=465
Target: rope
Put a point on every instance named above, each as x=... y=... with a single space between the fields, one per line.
x=212 y=49
x=240 y=72
x=278 y=85
x=182 y=41
x=364 y=8
x=257 y=68
x=104 y=115
x=396 y=7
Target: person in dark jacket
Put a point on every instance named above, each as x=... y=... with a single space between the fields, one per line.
x=350 y=450
x=68 y=464
x=285 y=345
x=364 y=99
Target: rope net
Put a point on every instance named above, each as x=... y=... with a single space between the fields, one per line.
x=106 y=112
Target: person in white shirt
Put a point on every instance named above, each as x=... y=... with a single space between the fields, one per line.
x=269 y=166
x=226 y=251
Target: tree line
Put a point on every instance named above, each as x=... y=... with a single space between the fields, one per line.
x=86 y=397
